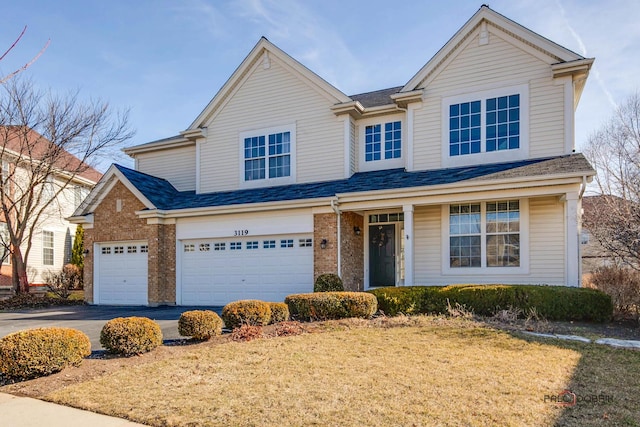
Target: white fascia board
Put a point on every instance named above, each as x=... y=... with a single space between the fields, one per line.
x=464 y=187
x=103 y=187
x=160 y=145
x=247 y=64
x=81 y=219
x=243 y=208
x=511 y=27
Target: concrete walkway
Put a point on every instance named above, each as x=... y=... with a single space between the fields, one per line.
x=26 y=412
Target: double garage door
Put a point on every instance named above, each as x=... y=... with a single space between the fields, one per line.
x=219 y=271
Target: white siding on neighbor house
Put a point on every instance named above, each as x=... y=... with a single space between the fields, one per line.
x=266 y=98
x=178 y=166
x=482 y=67
x=546 y=242
x=53 y=219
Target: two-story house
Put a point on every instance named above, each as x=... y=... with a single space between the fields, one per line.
x=60 y=193
x=465 y=174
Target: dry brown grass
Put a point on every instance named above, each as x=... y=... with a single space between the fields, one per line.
x=403 y=371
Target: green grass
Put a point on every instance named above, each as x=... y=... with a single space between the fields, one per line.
x=429 y=372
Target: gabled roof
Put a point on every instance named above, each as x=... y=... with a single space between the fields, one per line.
x=23 y=142
x=159 y=194
x=262 y=48
x=555 y=52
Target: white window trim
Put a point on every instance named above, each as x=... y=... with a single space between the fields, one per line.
x=499 y=156
x=267 y=182
x=484 y=270
x=53 y=247
x=382 y=163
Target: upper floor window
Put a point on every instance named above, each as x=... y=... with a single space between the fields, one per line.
x=268 y=155
x=374 y=137
x=381 y=144
x=488 y=126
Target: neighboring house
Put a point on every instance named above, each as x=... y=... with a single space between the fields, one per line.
x=53 y=235
x=465 y=174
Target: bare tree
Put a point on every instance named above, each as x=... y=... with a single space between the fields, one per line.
x=46 y=143
x=6 y=78
x=614 y=151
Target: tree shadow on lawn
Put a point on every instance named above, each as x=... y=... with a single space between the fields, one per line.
x=604 y=389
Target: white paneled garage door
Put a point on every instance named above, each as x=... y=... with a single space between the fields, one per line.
x=219 y=271
x=121 y=273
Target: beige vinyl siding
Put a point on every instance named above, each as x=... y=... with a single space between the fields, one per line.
x=353 y=149
x=178 y=166
x=546 y=248
x=477 y=67
x=427 y=245
x=547 y=240
x=266 y=98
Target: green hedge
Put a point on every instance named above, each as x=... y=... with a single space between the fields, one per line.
x=37 y=352
x=551 y=302
x=331 y=305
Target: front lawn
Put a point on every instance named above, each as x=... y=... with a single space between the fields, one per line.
x=431 y=371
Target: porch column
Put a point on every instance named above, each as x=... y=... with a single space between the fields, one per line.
x=408 y=244
x=573 y=239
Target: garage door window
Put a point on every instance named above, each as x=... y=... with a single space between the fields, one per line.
x=252 y=245
x=106 y=250
x=286 y=243
x=189 y=248
x=306 y=243
x=219 y=246
x=118 y=250
x=205 y=247
x=235 y=246
x=144 y=249
x=269 y=244
x=132 y=249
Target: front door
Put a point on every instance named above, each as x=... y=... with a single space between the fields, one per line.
x=382 y=255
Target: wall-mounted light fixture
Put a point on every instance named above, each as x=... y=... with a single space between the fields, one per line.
x=323 y=244
x=86 y=251
x=356 y=230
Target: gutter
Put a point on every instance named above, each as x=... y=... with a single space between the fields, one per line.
x=334 y=206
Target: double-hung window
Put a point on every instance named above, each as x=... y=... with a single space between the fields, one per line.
x=486 y=235
x=488 y=126
x=381 y=144
x=47 y=247
x=268 y=156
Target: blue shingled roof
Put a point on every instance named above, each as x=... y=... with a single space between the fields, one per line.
x=164 y=196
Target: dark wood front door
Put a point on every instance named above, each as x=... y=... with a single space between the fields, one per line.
x=382 y=255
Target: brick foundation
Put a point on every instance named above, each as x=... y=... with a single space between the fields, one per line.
x=109 y=225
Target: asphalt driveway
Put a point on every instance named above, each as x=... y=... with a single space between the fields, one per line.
x=91 y=318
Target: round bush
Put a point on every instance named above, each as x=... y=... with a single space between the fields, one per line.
x=328 y=283
x=37 y=352
x=279 y=312
x=331 y=305
x=246 y=312
x=128 y=336
x=200 y=324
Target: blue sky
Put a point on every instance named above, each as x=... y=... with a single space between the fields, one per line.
x=164 y=60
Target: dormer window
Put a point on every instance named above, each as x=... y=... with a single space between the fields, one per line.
x=485 y=127
x=267 y=156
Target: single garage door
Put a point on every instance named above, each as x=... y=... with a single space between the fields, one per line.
x=268 y=268
x=121 y=273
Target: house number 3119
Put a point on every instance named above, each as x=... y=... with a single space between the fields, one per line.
x=241 y=232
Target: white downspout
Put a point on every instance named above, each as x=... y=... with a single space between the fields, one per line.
x=334 y=206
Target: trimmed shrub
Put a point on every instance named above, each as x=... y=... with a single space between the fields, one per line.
x=279 y=312
x=246 y=312
x=37 y=352
x=287 y=329
x=200 y=324
x=550 y=302
x=129 y=336
x=331 y=305
x=328 y=283
x=623 y=285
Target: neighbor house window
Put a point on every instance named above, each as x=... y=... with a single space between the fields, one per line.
x=486 y=234
x=383 y=141
x=47 y=247
x=268 y=154
x=484 y=124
